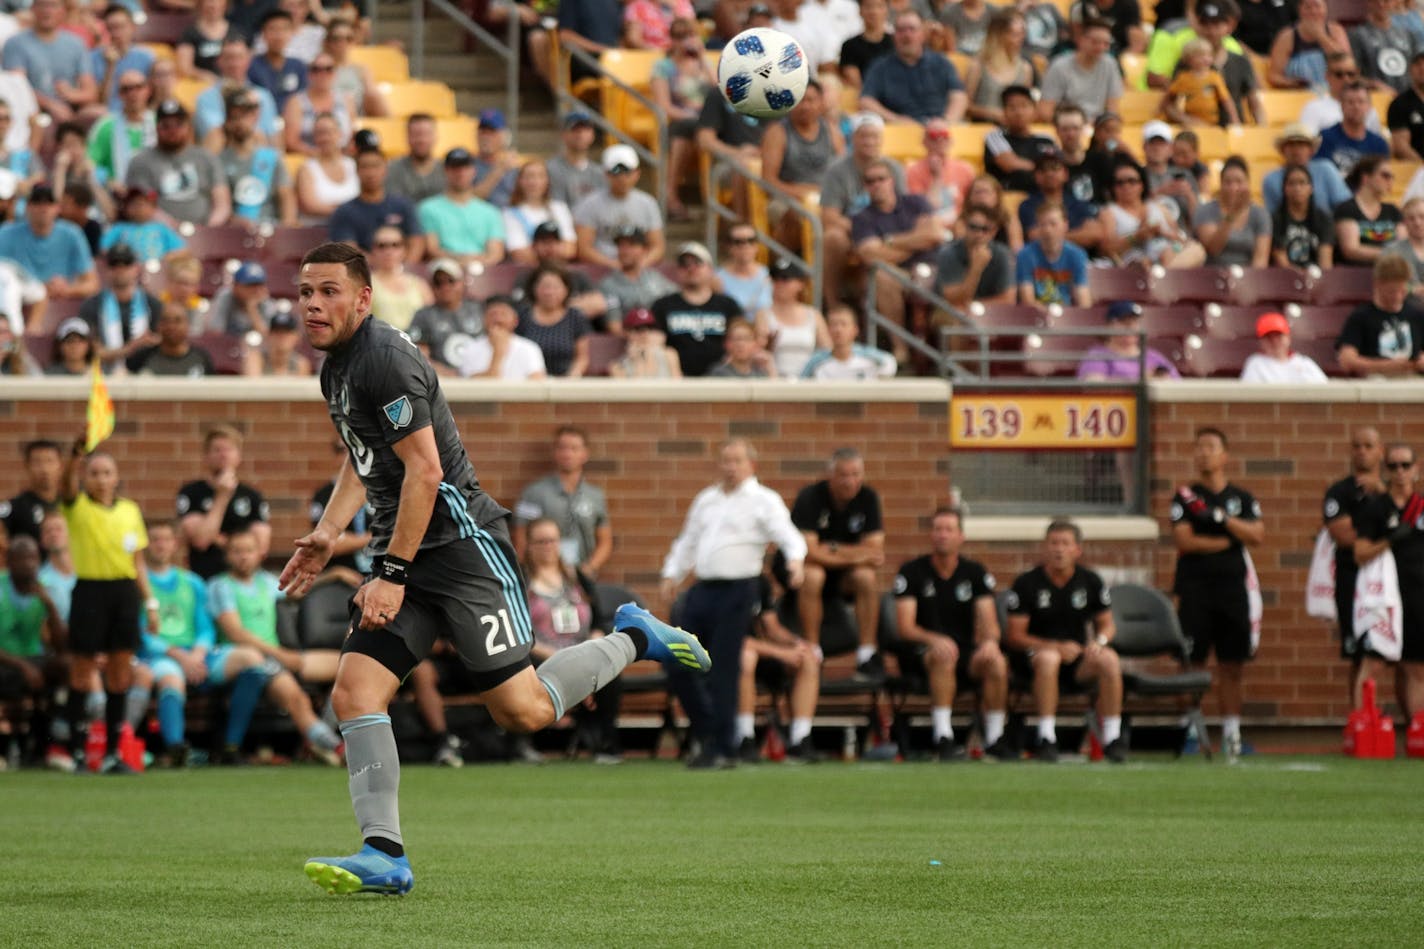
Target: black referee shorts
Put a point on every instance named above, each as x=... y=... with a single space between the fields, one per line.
x=1216 y=618
x=470 y=591
x=103 y=617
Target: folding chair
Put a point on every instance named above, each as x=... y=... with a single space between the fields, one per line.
x=1147 y=627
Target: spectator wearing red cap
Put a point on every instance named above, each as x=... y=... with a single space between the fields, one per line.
x=647 y=355
x=1275 y=362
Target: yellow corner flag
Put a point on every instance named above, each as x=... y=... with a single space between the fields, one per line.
x=101 y=411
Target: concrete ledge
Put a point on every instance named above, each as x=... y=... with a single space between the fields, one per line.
x=1019 y=529
x=1230 y=390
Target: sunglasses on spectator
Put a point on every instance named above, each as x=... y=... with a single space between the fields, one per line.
x=133 y=87
x=979 y=228
x=1345 y=73
x=876 y=179
x=1127 y=181
x=1399 y=465
x=319 y=67
x=741 y=240
x=388 y=245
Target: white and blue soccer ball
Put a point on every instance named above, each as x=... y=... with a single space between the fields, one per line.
x=763 y=73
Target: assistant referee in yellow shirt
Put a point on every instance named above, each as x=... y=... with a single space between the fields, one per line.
x=106 y=541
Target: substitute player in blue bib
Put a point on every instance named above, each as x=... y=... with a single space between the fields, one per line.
x=443 y=566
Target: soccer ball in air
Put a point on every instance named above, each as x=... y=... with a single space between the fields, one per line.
x=763 y=73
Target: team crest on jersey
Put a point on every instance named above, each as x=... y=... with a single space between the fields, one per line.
x=343 y=400
x=964 y=591
x=901 y=584
x=856 y=523
x=929 y=591
x=1045 y=599
x=824 y=520
x=1080 y=599
x=1233 y=507
x=242 y=507
x=1332 y=507
x=399 y=412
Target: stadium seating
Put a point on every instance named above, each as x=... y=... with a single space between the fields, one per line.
x=292 y=243
x=1317 y=322
x=1274 y=284
x=155 y=27
x=387 y=63
x=1232 y=322
x=1207 y=356
x=604 y=349
x=1343 y=284
x=1120 y=283
x=231 y=242
x=1193 y=284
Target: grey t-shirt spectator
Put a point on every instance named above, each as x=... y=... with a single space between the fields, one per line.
x=403 y=179
x=250 y=190
x=623 y=293
x=184 y=180
x=152 y=362
x=1241 y=245
x=843 y=186
x=570 y=184
x=1384 y=54
x=225 y=316
x=607 y=215
x=1066 y=82
x=434 y=325
x=61 y=58
x=579 y=515
x=953 y=263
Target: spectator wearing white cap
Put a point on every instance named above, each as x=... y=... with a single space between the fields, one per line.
x=458 y=223
x=619 y=205
x=277 y=355
x=1275 y=362
x=450 y=322
x=843 y=195
x=1297 y=143
x=73 y=349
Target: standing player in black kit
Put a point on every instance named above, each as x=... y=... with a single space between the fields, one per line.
x=443 y=566
x=1343 y=500
x=1213 y=522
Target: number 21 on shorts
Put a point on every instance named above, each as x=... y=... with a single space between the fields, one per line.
x=495 y=624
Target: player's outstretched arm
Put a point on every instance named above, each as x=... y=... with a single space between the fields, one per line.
x=315 y=549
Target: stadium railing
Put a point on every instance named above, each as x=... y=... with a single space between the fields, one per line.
x=507 y=50
x=722 y=171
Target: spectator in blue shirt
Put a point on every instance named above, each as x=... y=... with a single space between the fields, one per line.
x=210 y=111
x=1050 y=175
x=1297 y=145
x=1051 y=270
x=52 y=251
x=357 y=221
x=149 y=238
x=274 y=70
x=53 y=60
x=1350 y=139
x=592 y=27
x=111 y=60
x=914 y=84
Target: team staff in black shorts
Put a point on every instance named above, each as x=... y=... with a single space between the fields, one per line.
x=1213 y=522
x=1394 y=521
x=1343 y=500
x=1050 y=611
x=107 y=539
x=845 y=546
x=944 y=608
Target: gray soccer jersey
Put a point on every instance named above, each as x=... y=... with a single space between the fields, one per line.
x=379 y=389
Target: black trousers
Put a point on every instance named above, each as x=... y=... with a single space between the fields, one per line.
x=720 y=613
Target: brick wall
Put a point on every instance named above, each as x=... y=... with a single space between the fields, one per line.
x=654 y=447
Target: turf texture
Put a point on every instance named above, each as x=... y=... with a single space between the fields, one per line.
x=1272 y=852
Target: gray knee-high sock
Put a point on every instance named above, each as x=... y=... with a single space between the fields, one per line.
x=572 y=675
x=374 y=766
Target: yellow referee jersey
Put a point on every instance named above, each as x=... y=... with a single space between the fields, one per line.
x=103 y=540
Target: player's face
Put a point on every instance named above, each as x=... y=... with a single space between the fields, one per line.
x=1209 y=454
x=101 y=478
x=44 y=468
x=1061 y=551
x=1400 y=469
x=847 y=478
x=1366 y=451
x=243 y=556
x=332 y=305
x=222 y=454
x=946 y=536
x=570 y=453
x=162 y=545
x=736 y=465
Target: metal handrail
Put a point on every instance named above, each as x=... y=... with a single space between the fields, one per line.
x=507 y=50
x=814 y=269
x=565 y=102
x=985 y=357
x=877 y=322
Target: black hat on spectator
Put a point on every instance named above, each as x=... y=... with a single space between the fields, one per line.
x=783 y=269
x=629 y=233
x=1212 y=13
x=42 y=194
x=1123 y=310
x=366 y=140
x=545 y=231
x=575 y=119
x=171 y=109
x=458 y=156
x=283 y=320
x=1051 y=156
x=121 y=255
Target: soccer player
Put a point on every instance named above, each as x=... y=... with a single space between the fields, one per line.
x=1213 y=523
x=944 y=606
x=22 y=514
x=1050 y=611
x=182 y=651
x=444 y=566
x=107 y=540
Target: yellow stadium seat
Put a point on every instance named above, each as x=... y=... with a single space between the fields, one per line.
x=634 y=67
x=293 y=161
x=968 y=141
x=159 y=50
x=1139 y=106
x=417 y=95
x=1404 y=172
x=1212 y=143
x=905 y=141
x=456 y=131
x=1381 y=101
x=186 y=91
x=387 y=63
x=1134 y=70
x=961 y=62
x=391 y=132
x=1253 y=143
x=1283 y=106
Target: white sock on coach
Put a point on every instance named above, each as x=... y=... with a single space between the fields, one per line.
x=942 y=728
x=993 y=726
x=1047 y=728
x=1112 y=728
x=746 y=726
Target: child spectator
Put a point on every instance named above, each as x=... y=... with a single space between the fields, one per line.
x=139 y=229
x=647 y=355
x=1198 y=94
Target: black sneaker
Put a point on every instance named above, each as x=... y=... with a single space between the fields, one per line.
x=1001 y=750
x=803 y=752
x=1116 y=751
x=1046 y=751
x=230 y=757
x=947 y=749
x=113 y=764
x=748 y=752
x=872 y=670
x=707 y=761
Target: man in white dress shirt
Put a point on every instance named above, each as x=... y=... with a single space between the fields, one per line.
x=722 y=544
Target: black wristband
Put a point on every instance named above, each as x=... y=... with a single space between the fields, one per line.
x=393 y=570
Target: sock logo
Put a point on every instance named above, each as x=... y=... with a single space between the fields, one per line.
x=374 y=765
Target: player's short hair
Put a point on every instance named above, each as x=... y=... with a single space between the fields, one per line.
x=1401 y=446
x=1015 y=92
x=163 y=523
x=739 y=323
x=358 y=268
x=1063 y=525
x=750 y=448
x=1215 y=432
x=42 y=444
x=946 y=510
x=1393 y=268
x=574 y=430
x=847 y=453
x=229 y=432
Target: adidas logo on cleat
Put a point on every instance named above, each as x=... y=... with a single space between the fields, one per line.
x=685 y=655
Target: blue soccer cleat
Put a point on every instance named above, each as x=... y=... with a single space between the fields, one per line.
x=368 y=871
x=665 y=643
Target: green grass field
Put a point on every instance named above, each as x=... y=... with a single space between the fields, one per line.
x=1273 y=852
